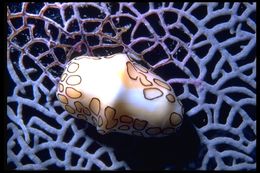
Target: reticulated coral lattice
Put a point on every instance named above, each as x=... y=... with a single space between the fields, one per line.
x=206 y=51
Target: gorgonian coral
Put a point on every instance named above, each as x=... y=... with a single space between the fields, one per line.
x=205 y=51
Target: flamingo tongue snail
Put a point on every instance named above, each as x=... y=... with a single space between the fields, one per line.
x=116 y=94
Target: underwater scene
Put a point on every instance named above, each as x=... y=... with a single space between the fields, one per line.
x=131 y=86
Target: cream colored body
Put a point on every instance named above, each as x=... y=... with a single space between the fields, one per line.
x=115 y=94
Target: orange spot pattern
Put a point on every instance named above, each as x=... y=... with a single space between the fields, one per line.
x=110 y=114
x=135 y=126
x=136 y=71
x=94 y=106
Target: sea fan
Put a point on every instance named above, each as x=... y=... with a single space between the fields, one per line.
x=205 y=51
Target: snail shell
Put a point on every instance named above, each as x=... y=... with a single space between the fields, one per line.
x=116 y=94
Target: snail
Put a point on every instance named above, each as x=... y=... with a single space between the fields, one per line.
x=115 y=94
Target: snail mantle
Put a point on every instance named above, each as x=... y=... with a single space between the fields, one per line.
x=115 y=94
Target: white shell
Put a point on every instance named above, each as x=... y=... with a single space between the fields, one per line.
x=117 y=95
